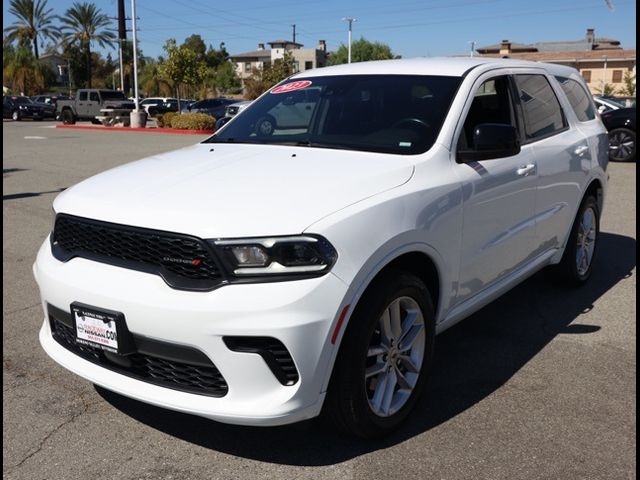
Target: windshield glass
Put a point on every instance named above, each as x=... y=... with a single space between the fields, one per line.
x=399 y=114
x=109 y=95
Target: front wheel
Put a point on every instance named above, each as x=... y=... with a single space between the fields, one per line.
x=384 y=358
x=622 y=145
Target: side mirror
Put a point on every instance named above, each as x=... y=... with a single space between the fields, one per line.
x=491 y=140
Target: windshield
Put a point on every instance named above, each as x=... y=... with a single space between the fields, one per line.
x=399 y=114
x=109 y=95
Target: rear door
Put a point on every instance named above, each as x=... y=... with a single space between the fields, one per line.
x=563 y=157
x=498 y=230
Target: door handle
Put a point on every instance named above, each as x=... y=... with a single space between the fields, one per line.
x=525 y=170
x=581 y=150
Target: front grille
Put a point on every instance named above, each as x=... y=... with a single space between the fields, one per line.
x=200 y=376
x=183 y=261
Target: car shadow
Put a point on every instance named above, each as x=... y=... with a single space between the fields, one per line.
x=18 y=196
x=472 y=360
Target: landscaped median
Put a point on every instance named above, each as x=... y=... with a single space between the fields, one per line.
x=171 y=122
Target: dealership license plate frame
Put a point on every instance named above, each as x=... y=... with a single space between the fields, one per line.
x=110 y=320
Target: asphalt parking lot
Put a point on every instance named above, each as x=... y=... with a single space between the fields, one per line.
x=538 y=385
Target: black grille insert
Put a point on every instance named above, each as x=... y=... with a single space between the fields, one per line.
x=167 y=365
x=183 y=261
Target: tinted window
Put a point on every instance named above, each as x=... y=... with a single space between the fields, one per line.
x=112 y=95
x=93 y=96
x=399 y=114
x=542 y=112
x=22 y=100
x=491 y=104
x=578 y=99
x=83 y=96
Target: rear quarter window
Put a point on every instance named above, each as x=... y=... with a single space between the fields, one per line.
x=578 y=98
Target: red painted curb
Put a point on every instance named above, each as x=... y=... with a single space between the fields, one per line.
x=129 y=129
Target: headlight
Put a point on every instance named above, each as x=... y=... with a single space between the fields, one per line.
x=23 y=107
x=304 y=255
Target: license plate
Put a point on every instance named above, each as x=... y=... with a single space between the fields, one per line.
x=101 y=328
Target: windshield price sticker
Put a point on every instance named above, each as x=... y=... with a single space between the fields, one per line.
x=291 y=87
x=93 y=328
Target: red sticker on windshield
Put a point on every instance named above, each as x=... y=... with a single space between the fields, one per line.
x=290 y=87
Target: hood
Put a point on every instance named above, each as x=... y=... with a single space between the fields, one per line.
x=222 y=190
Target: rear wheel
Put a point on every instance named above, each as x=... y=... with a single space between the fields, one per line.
x=622 y=145
x=384 y=358
x=577 y=262
x=68 y=118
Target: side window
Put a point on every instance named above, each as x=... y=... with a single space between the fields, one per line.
x=83 y=96
x=93 y=97
x=578 y=99
x=492 y=103
x=542 y=112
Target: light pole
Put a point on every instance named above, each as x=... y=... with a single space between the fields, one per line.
x=350 y=20
x=138 y=118
x=604 y=75
x=473 y=48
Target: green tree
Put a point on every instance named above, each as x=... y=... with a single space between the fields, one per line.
x=608 y=90
x=22 y=71
x=181 y=66
x=262 y=80
x=197 y=46
x=34 y=20
x=83 y=25
x=225 y=78
x=152 y=82
x=629 y=88
x=218 y=57
x=362 y=51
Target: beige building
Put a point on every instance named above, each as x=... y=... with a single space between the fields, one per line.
x=601 y=61
x=304 y=58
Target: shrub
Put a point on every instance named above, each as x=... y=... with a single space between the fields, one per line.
x=193 y=121
x=164 y=120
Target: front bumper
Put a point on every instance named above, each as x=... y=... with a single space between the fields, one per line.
x=301 y=314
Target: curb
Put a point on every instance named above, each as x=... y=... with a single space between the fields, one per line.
x=130 y=129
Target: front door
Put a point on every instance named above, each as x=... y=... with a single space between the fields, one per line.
x=498 y=229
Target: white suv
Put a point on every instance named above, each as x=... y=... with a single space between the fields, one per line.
x=266 y=275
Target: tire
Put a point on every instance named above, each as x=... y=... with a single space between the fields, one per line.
x=622 y=145
x=265 y=126
x=362 y=406
x=577 y=261
x=16 y=116
x=68 y=118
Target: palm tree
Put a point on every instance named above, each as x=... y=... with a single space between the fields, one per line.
x=152 y=82
x=23 y=72
x=84 y=24
x=33 y=20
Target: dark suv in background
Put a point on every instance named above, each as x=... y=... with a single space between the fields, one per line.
x=17 y=108
x=215 y=107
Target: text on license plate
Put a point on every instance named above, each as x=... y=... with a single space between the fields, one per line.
x=95 y=328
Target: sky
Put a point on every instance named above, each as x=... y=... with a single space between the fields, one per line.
x=412 y=28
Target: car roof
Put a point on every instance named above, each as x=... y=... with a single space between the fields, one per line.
x=442 y=66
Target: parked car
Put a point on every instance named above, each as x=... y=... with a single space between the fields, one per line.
x=231 y=111
x=19 y=108
x=89 y=102
x=621 y=124
x=159 y=105
x=264 y=276
x=51 y=101
x=215 y=107
x=606 y=104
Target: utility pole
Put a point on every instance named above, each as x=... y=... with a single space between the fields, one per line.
x=350 y=20
x=122 y=37
x=294 y=32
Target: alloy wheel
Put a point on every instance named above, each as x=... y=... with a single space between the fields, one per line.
x=394 y=357
x=621 y=145
x=586 y=241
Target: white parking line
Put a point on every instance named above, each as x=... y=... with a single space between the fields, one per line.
x=34 y=137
